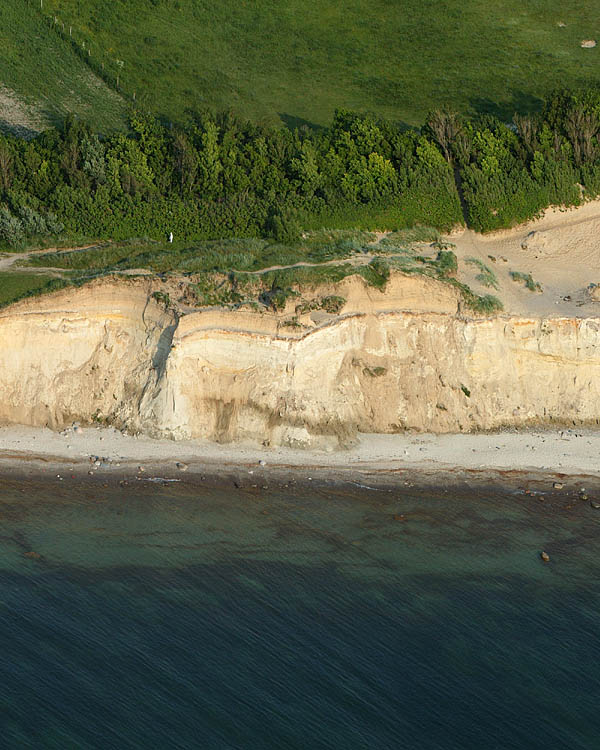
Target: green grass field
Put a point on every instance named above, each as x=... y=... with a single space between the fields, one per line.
x=299 y=61
x=42 y=78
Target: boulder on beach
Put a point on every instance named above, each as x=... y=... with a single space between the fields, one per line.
x=593 y=291
x=536 y=244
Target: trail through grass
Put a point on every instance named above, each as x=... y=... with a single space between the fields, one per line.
x=241 y=271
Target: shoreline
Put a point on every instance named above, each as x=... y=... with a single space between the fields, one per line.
x=534 y=459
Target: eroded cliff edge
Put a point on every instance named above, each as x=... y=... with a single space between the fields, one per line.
x=405 y=357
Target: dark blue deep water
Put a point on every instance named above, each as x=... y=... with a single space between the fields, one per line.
x=182 y=617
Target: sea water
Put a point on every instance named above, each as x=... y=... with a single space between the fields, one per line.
x=179 y=616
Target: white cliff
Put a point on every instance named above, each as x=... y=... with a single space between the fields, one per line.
x=407 y=357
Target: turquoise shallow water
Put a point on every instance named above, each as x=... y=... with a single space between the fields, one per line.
x=182 y=617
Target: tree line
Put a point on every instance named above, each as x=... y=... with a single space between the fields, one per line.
x=219 y=176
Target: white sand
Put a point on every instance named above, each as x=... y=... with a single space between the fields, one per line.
x=571 y=452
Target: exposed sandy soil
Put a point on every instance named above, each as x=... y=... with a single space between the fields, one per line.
x=19 y=117
x=560 y=250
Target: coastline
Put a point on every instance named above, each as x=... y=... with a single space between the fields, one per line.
x=528 y=459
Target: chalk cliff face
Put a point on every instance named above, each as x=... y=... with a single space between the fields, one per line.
x=80 y=354
x=404 y=358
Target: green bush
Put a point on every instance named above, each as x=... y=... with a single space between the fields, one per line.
x=447 y=263
x=11 y=228
x=527 y=280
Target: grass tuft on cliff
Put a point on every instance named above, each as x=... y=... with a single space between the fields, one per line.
x=486 y=276
x=244 y=271
x=527 y=280
x=17 y=286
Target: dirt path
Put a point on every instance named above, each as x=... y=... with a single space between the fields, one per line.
x=357 y=260
x=9 y=262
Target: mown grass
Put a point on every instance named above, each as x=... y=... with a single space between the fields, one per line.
x=299 y=61
x=45 y=78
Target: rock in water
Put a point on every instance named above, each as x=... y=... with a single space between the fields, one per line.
x=545 y=556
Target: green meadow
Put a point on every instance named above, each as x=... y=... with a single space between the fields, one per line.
x=298 y=61
x=42 y=78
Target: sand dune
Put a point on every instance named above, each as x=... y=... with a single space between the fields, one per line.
x=561 y=251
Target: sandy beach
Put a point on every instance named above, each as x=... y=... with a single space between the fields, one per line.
x=539 y=456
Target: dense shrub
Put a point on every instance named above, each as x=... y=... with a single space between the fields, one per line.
x=221 y=177
x=11 y=228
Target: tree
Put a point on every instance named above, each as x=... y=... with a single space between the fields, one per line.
x=582 y=130
x=185 y=161
x=94 y=162
x=6 y=164
x=527 y=128
x=444 y=128
x=210 y=166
